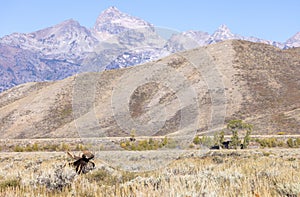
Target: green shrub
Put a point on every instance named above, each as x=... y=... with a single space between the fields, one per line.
x=80 y=147
x=191 y=146
x=28 y=148
x=281 y=133
x=102 y=177
x=291 y=143
x=247 y=139
x=218 y=138
x=266 y=154
x=236 y=125
x=14 y=182
x=196 y=140
x=51 y=147
x=269 y=142
x=35 y=147
x=18 y=148
x=292 y=159
x=207 y=141
x=64 y=147
x=165 y=141
x=147 y=144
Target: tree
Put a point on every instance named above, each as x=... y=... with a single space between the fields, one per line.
x=235 y=126
x=235 y=142
x=222 y=138
x=247 y=138
x=219 y=139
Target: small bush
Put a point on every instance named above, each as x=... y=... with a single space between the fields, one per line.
x=165 y=141
x=123 y=145
x=18 y=148
x=64 y=147
x=269 y=142
x=10 y=183
x=128 y=176
x=147 y=144
x=171 y=143
x=206 y=141
x=28 y=148
x=35 y=147
x=51 y=147
x=266 y=154
x=55 y=180
x=102 y=176
x=80 y=147
x=292 y=159
x=292 y=143
x=281 y=133
x=196 y=140
x=191 y=146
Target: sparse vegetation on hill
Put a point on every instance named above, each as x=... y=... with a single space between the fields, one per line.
x=260 y=84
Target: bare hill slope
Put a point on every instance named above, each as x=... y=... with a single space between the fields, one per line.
x=199 y=90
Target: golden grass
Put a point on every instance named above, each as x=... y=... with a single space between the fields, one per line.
x=218 y=173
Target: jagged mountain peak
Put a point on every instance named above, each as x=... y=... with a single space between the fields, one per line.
x=297 y=36
x=112 y=11
x=113 y=21
x=61 y=28
x=223 y=32
x=69 y=22
x=294 y=41
x=67 y=40
x=223 y=27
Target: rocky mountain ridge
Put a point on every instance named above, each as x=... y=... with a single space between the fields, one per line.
x=117 y=40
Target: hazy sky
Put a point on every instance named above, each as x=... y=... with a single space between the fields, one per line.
x=275 y=20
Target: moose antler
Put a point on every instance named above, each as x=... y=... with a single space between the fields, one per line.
x=82 y=161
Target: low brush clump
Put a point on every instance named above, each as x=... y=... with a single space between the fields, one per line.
x=45 y=147
x=56 y=179
x=147 y=144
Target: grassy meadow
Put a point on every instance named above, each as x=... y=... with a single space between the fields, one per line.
x=251 y=172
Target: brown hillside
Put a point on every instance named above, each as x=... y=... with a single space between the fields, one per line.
x=199 y=90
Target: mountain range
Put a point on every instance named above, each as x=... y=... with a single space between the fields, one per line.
x=194 y=90
x=117 y=40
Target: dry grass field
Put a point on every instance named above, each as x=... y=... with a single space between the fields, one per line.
x=252 y=172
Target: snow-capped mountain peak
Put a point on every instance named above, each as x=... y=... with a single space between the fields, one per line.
x=222 y=33
x=112 y=12
x=293 y=41
x=113 y=21
x=68 y=39
x=223 y=28
x=117 y=40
